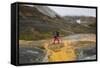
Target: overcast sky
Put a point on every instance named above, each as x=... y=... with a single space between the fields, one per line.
x=73 y=11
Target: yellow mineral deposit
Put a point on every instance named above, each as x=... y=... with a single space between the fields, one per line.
x=61 y=52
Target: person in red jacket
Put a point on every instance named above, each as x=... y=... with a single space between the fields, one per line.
x=56 y=37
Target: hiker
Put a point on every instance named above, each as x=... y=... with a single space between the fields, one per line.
x=56 y=37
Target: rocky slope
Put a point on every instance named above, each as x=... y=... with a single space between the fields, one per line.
x=37 y=23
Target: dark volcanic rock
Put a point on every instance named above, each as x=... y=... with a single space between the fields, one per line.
x=86 y=53
x=31 y=55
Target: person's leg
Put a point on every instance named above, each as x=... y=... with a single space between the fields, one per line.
x=54 y=40
x=58 y=39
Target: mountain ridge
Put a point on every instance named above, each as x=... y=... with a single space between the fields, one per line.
x=34 y=25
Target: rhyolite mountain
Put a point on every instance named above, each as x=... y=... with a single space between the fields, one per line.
x=38 y=22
